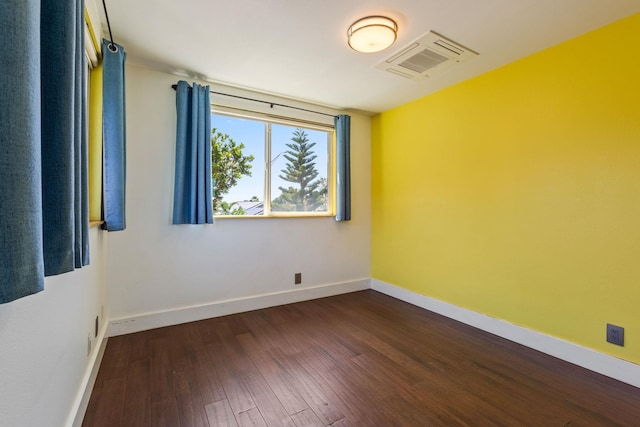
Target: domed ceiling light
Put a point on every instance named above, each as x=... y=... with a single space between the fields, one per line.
x=372 y=34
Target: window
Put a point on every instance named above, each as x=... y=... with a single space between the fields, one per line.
x=265 y=167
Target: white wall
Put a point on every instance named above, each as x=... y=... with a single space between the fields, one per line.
x=43 y=344
x=155 y=266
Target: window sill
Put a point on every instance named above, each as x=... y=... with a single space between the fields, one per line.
x=282 y=216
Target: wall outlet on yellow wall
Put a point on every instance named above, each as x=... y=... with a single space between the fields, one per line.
x=615 y=334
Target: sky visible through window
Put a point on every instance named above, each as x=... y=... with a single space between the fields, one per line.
x=252 y=134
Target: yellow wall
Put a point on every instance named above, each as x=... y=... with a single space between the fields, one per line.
x=95 y=145
x=517 y=193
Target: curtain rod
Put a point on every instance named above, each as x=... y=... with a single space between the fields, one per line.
x=265 y=102
x=112 y=47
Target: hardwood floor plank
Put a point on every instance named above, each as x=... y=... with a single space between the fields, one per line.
x=190 y=406
x=137 y=399
x=251 y=418
x=353 y=396
x=115 y=359
x=343 y=422
x=161 y=378
x=272 y=335
x=164 y=413
x=220 y=414
x=266 y=401
x=359 y=359
x=206 y=331
x=275 y=375
x=377 y=366
x=92 y=407
x=321 y=400
x=108 y=412
x=408 y=412
x=306 y=418
x=205 y=379
x=371 y=338
x=449 y=402
x=230 y=376
x=139 y=346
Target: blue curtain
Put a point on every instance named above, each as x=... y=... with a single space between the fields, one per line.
x=114 y=136
x=343 y=167
x=64 y=137
x=43 y=199
x=192 y=190
x=21 y=257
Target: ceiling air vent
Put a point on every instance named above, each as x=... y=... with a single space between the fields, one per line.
x=429 y=54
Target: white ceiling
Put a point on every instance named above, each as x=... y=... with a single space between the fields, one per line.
x=298 y=48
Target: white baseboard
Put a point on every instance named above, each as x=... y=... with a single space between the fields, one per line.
x=604 y=364
x=88 y=381
x=160 y=319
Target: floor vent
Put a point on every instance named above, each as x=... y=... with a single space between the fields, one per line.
x=429 y=54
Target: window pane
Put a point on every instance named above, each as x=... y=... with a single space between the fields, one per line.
x=237 y=151
x=299 y=169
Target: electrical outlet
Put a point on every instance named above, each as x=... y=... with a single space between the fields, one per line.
x=297 y=279
x=615 y=334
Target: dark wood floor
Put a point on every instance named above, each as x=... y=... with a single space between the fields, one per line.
x=361 y=359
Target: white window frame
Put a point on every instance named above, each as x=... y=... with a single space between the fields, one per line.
x=269 y=119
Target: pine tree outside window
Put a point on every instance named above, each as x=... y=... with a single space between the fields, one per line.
x=269 y=168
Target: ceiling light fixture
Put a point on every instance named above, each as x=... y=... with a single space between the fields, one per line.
x=372 y=34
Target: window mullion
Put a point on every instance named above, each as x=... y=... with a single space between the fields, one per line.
x=331 y=171
x=267 y=170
